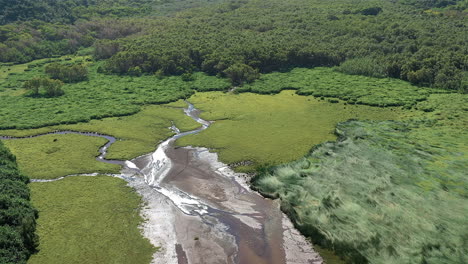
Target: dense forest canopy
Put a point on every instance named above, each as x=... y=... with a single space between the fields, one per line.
x=17 y=216
x=237 y=39
x=453 y=4
x=68 y=11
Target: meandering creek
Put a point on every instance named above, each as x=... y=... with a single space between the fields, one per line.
x=199 y=211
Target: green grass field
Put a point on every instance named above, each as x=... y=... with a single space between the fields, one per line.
x=272 y=129
x=386 y=192
x=89 y=220
x=52 y=156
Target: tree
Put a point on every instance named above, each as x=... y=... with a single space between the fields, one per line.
x=239 y=73
x=104 y=49
x=52 y=87
x=67 y=73
x=33 y=85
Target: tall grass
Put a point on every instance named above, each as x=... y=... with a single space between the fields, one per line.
x=385 y=192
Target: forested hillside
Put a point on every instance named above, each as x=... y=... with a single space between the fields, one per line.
x=240 y=39
x=68 y=11
x=17 y=216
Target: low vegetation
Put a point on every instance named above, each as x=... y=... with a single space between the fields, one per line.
x=385 y=192
x=53 y=156
x=99 y=97
x=18 y=239
x=354 y=89
x=89 y=220
x=272 y=129
x=137 y=134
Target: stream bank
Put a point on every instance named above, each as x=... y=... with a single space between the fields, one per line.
x=205 y=213
x=199 y=211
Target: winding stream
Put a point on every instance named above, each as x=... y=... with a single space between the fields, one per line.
x=199 y=211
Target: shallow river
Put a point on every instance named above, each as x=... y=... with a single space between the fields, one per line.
x=198 y=210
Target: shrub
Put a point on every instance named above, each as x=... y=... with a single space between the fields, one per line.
x=17 y=216
x=362 y=66
x=52 y=87
x=239 y=73
x=371 y=11
x=67 y=73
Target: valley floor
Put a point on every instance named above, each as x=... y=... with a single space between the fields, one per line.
x=422 y=154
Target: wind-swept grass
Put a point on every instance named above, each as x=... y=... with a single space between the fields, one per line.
x=385 y=192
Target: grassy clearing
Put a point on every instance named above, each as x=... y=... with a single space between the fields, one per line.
x=351 y=88
x=52 y=156
x=386 y=192
x=272 y=129
x=102 y=96
x=138 y=134
x=89 y=220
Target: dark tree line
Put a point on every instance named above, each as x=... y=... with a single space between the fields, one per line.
x=17 y=216
x=237 y=39
x=27 y=41
x=68 y=11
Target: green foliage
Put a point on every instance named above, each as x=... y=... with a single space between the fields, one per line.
x=425 y=48
x=138 y=134
x=363 y=66
x=33 y=85
x=385 y=192
x=17 y=216
x=27 y=41
x=68 y=11
x=187 y=77
x=52 y=88
x=101 y=96
x=277 y=35
x=325 y=82
x=431 y=3
x=67 y=73
x=240 y=73
x=370 y=11
x=104 y=49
